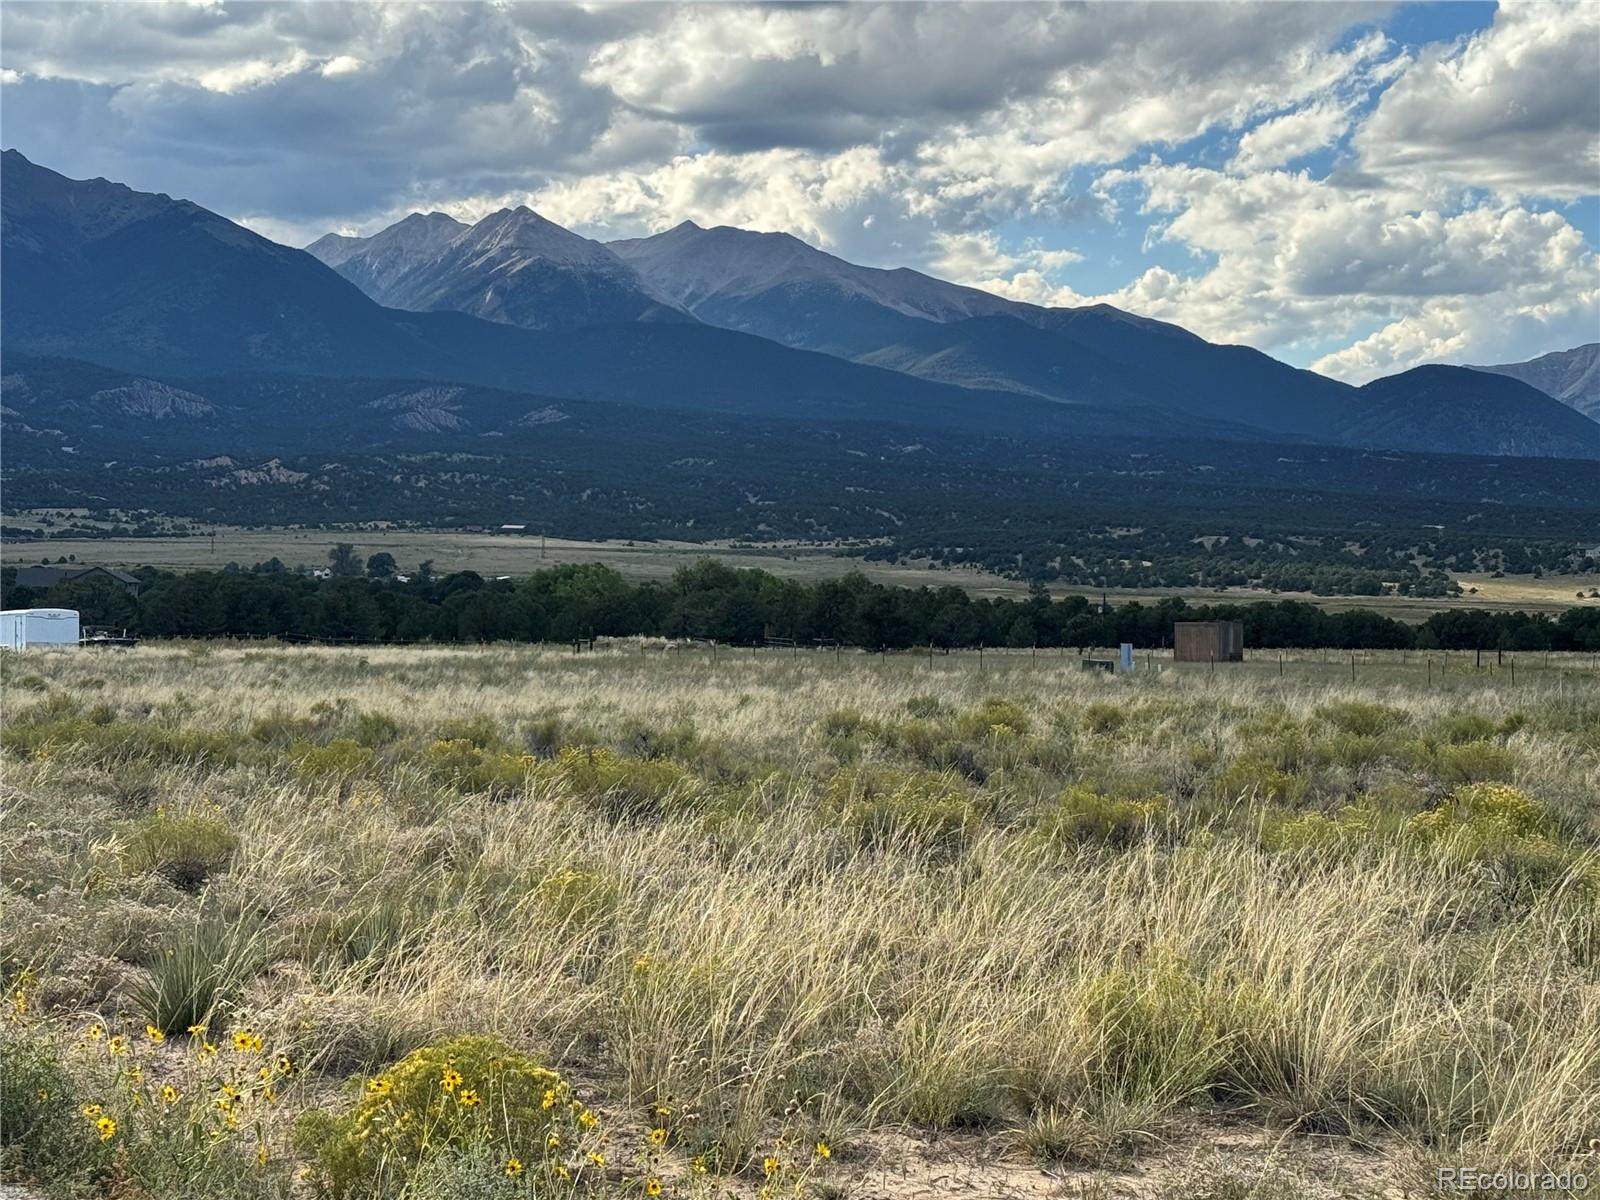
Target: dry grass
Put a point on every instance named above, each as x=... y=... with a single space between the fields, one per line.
x=795 y=899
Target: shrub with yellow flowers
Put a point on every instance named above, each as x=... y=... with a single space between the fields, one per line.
x=166 y=1116
x=468 y=1094
x=1498 y=823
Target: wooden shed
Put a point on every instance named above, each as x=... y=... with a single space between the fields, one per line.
x=1208 y=641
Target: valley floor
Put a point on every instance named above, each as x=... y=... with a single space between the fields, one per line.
x=800 y=924
x=518 y=554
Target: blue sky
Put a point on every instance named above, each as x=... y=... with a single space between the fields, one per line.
x=1355 y=187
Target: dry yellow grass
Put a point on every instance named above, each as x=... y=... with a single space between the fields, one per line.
x=861 y=900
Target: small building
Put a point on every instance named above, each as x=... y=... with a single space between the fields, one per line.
x=1208 y=641
x=42 y=579
x=28 y=628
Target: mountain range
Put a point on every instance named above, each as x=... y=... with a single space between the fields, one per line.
x=1571 y=376
x=719 y=320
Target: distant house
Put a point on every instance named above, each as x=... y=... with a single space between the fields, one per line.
x=42 y=579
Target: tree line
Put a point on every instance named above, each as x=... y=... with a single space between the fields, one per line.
x=744 y=607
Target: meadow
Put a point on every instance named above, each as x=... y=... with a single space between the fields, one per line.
x=510 y=921
x=211 y=547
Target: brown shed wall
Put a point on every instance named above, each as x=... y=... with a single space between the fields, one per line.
x=1208 y=641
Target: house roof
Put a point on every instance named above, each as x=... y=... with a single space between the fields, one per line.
x=37 y=577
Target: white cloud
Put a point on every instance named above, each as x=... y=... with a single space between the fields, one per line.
x=943 y=136
x=1281 y=140
x=1516 y=108
x=1296 y=259
x=342 y=64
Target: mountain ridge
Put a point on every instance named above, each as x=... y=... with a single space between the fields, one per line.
x=513 y=266
x=1571 y=376
x=139 y=281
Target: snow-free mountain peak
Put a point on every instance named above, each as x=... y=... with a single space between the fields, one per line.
x=514 y=266
x=695 y=267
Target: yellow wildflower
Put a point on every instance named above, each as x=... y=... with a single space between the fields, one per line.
x=91 y=1110
x=261 y=1154
x=658 y=1137
x=597 y=1158
x=553 y=1142
x=513 y=1167
x=107 y=1128
x=824 y=1150
x=587 y=1119
x=117 y=1045
x=169 y=1093
x=94 y=1032
x=652 y=1187
x=154 y=1034
x=451 y=1079
x=769 y=1165
x=468 y=1098
x=549 y=1100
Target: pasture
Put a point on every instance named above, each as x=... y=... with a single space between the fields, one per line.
x=212 y=547
x=512 y=921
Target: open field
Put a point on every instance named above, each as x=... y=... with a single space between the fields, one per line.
x=494 y=554
x=803 y=924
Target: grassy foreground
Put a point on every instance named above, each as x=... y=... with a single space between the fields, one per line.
x=507 y=921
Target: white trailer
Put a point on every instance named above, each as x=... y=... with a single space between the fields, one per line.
x=28 y=628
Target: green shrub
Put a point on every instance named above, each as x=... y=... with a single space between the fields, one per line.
x=1361 y=718
x=847 y=723
x=41 y=1130
x=186 y=848
x=678 y=741
x=1464 y=727
x=282 y=728
x=374 y=729
x=1159 y=1037
x=1259 y=779
x=623 y=788
x=467 y=767
x=1081 y=816
x=926 y=706
x=992 y=715
x=480 y=730
x=1104 y=717
x=1318 y=833
x=579 y=898
x=470 y=1096
x=341 y=758
x=1472 y=762
x=882 y=807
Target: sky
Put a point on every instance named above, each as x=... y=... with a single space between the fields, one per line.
x=1357 y=188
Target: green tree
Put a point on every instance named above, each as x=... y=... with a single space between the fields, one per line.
x=344 y=560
